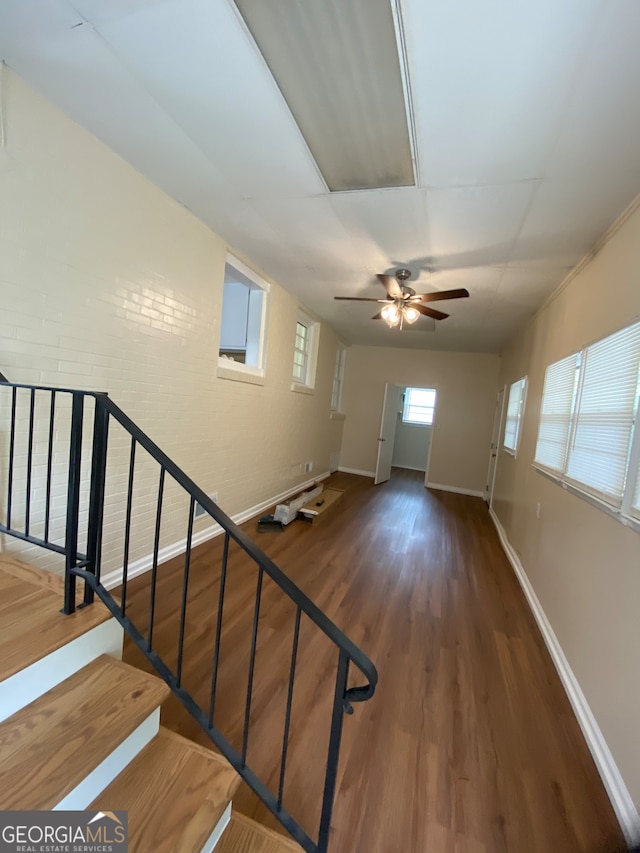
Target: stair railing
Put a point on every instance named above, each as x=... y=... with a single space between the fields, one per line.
x=38 y=419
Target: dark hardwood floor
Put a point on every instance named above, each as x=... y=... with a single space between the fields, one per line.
x=469 y=745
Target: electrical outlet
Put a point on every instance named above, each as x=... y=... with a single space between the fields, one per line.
x=199 y=510
x=308 y=467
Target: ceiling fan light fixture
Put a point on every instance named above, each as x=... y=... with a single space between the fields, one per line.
x=391 y=314
x=411 y=314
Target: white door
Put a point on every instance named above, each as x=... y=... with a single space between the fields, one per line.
x=387 y=432
x=495 y=443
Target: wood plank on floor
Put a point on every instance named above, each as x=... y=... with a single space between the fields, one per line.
x=470 y=743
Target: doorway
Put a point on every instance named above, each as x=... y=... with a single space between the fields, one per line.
x=405 y=430
x=495 y=444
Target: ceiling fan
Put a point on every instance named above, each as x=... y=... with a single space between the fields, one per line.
x=403 y=304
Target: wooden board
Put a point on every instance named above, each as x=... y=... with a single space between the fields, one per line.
x=31 y=625
x=51 y=745
x=175 y=792
x=327 y=500
x=246 y=836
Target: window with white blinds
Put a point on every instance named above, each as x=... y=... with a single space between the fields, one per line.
x=515 y=410
x=558 y=395
x=589 y=409
x=635 y=504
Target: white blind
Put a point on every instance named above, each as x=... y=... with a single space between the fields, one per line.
x=599 y=444
x=636 y=498
x=555 y=413
x=419 y=405
x=514 y=414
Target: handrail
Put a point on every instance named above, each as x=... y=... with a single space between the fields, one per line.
x=86 y=567
x=247 y=544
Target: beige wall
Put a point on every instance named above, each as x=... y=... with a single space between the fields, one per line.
x=465 y=385
x=583 y=564
x=108 y=284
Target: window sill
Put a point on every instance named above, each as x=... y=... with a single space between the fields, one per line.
x=239 y=372
x=337 y=416
x=509 y=451
x=614 y=512
x=302 y=389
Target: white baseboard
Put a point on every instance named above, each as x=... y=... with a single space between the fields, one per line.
x=618 y=792
x=410 y=467
x=440 y=487
x=144 y=564
x=357 y=471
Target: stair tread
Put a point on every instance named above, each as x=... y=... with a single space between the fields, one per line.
x=51 y=745
x=175 y=792
x=32 y=626
x=244 y=835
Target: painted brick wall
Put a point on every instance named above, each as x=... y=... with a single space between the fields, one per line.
x=108 y=284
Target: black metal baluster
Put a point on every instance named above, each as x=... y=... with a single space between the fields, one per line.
x=73 y=502
x=287 y=716
x=127 y=527
x=96 y=494
x=216 y=648
x=12 y=444
x=185 y=590
x=154 y=567
x=47 y=501
x=334 y=751
x=32 y=409
x=252 y=663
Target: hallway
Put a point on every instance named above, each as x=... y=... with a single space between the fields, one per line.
x=469 y=745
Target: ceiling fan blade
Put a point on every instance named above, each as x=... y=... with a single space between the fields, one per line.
x=357 y=298
x=429 y=312
x=377 y=316
x=442 y=294
x=391 y=286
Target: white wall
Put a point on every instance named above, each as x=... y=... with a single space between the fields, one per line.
x=108 y=284
x=465 y=384
x=583 y=564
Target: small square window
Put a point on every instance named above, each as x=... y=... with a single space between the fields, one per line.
x=242 y=329
x=418 y=406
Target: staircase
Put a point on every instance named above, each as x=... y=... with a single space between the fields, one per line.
x=88 y=736
x=79 y=729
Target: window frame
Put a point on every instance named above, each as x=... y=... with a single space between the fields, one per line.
x=235 y=370
x=513 y=451
x=406 y=404
x=622 y=508
x=338 y=379
x=306 y=383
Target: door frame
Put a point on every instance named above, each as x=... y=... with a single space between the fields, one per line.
x=496 y=432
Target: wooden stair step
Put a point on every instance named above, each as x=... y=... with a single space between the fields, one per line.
x=175 y=791
x=49 y=747
x=244 y=835
x=31 y=625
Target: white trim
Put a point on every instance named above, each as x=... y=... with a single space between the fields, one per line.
x=25 y=686
x=440 y=487
x=619 y=795
x=95 y=782
x=219 y=828
x=411 y=468
x=144 y=564
x=357 y=471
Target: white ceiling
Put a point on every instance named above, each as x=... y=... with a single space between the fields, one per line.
x=527 y=121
